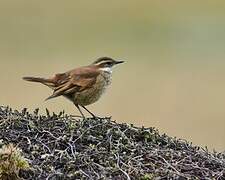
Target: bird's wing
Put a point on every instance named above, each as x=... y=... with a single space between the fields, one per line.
x=73 y=81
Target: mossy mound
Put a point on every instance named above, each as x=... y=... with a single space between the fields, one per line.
x=64 y=147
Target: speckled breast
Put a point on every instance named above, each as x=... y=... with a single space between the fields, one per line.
x=93 y=94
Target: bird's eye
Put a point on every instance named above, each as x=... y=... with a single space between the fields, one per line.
x=108 y=63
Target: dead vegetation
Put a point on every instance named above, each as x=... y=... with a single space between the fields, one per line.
x=62 y=147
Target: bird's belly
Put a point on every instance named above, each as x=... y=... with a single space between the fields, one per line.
x=90 y=95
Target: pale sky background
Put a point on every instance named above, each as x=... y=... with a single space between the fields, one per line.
x=173 y=78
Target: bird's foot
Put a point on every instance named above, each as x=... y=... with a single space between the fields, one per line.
x=101 y=118
x=77 y=116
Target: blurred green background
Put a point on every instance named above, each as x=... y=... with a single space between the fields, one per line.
x=174 y=76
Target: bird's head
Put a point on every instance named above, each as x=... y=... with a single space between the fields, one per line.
x=106 y=63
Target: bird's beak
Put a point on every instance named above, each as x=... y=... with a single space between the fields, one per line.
x=119 y=62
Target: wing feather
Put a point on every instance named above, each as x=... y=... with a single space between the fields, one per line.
x=73 y=81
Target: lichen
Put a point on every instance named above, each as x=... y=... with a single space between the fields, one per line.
x=11 y=162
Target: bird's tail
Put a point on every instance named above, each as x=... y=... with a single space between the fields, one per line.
x=36 y=79
x=48 y=82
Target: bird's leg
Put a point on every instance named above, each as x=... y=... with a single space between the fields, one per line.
x=94 y=116
x=89 y=112
x=80 y=110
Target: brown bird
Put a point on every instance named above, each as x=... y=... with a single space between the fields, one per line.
x=83 y=86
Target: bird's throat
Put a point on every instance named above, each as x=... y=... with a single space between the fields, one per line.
x=106 y=69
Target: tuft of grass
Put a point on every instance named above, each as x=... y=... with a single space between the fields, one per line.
x=11 y=162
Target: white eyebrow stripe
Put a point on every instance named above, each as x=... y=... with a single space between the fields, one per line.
x=102 y=62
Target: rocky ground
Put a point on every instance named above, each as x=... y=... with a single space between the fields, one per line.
x=64 y=147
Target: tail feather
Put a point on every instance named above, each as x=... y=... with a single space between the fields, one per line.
x=48 y=82
x=35 y=79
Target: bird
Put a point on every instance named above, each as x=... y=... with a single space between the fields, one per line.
x=83 y=85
